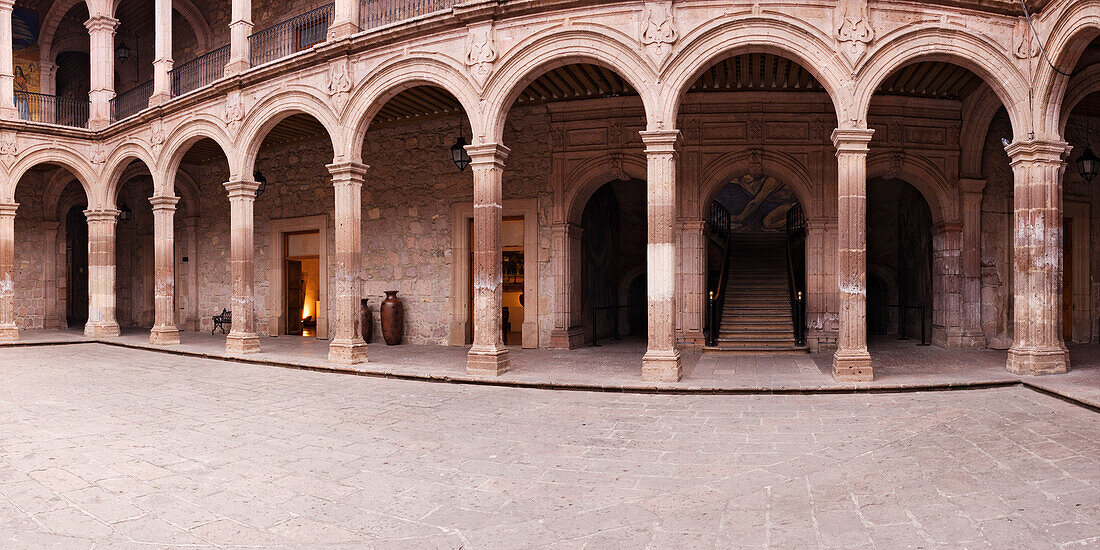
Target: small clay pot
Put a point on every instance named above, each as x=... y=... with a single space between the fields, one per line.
x=393 y=318
x=366 y=322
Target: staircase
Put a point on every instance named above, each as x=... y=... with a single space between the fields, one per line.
x=756 y=313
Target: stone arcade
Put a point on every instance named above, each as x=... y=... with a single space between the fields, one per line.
x=623 y=156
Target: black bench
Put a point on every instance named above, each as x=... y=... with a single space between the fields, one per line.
x=222 y=320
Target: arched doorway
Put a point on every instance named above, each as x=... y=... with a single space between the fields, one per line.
x=756 y=266
x=899 y=248
x=76 y=267
x=613 y=252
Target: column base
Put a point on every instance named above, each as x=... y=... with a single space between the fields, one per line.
x=568 y=338
x=9 y=333
x=9 y=113
x=342 y=29
x=852 y=366
x=236 y=67
x=159 y=99
x=242 y=342
x=1037 y=360
x=661 y=365
x=972 y=340
x=101 y=330
x=347 y=352
x=487 y=361
x=164 y=336
x=98 y=123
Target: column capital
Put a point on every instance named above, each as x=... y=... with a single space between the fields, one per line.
x=1035 y=150
x=101 y=23
x=568 y=230
x=344 y=171
x=947 y=227
x=660 y=141
x=693 y=225
x=851 y=140
x=488 y=153
x=8 y=208
x=7 y=5
x=241 y=189
x=102 y=215
x=972 y=185
x=163 y=204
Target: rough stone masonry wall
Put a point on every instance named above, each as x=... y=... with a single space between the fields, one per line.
x=31 y=253
x=996 y=243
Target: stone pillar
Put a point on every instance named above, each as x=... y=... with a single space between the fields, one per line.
x=567 y=333
x=242 y=337
x=347 y=345
x=661 y=362
x=240 y=26
x=101 y=273
x=946 y=285
x=488 y=354
x=7 y=63
x=852 y=361
x=190 y=237
x=164 y=271
x=162 y=62
x=51 y=319
x=820 y=284
x=101 y=29
x=693 y=259
x=47 y=77
x=1037 y=168
x=970 y=203
x=9 y=332
x=345 y=22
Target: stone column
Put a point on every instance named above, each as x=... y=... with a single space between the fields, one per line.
x=47 y=77
x=661 y=362
x=970 y=202
x=164 y=271
x=49 y=275
x=693 y=258
x=1037 y=168
x=567 y=333
x=162 y=62
x=7 y=63
x=101 y=29
x=345 y=22
x=101 y=273
x=242 y=337
x=9 y=332
x=946 y=285
x=190 y=236
x=240 y=26
x=347 y=345
x=852 y=361
x=820 y=283
x=488 y=354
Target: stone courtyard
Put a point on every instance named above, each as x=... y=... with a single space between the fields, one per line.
x=107 y=447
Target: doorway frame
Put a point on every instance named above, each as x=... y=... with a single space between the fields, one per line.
x=1079 y=214
x=461 y=214
x=276 y=302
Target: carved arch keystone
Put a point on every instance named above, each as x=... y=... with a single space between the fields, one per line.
x=481 y=52
x=853 y=29
x=658 y=31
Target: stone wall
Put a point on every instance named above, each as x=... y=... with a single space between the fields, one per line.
x=996 y=252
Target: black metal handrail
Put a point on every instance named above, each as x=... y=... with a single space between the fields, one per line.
x=199 y=72
x=379 y=13
x=796 y=225
x=614 y=323
x=293 y=35
x=902 y=324
x=52 y=109
x=718 y=223
x=132 y=101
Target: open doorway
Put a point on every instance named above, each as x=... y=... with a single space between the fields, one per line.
x=76 y=255
x=302 y=282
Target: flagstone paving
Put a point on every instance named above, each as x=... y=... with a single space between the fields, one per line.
x=106 y=447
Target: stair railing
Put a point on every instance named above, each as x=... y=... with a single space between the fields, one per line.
x=718 y=223
x=796 y=225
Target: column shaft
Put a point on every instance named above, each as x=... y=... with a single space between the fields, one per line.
x=7 y=63
x=852 y=361
x=164 y=272
x=567 y=333
x=242 y=197
x=1037 y=168
x=101 y=30
x=345 y=21
x=162 y=62
x=347 y=345
x=101 y=273
x=240 y=27
x=971 y=207
x=9 y=331
x=488 y=354
x=947 y=285
x=693 y=259
x=661 y=362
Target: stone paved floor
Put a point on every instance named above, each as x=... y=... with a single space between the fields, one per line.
x=106 y=447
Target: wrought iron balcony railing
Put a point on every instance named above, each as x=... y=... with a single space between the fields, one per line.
x=52 y=109
x=293 y=35
x=132 y=101
x=199 y=72
x=379 y=13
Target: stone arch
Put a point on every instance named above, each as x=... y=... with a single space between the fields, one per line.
x=117 y=164
x=593 y=174
x=777 y=34
x=272 y=110
x=180 y=140
x=789 y=170
x=70 y=43
x=390 y=80
x=924 y=176
x=978 y=112
x=935 y=43
x=51 y=193
x=540 y=53
x=65 y=158
x=193 y=15
x=1076 y=23
x=1080 y=87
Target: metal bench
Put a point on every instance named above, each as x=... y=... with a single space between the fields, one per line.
x=222 y=320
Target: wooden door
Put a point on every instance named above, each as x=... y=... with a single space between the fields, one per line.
x=1067 y=279
x=295 y=296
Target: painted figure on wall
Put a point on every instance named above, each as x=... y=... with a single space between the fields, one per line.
x=757 y=203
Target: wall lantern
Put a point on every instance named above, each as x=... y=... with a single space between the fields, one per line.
x=122 y=52
x=458 y=151
x=1088 y=165
x=260 y=179
x=124 y=213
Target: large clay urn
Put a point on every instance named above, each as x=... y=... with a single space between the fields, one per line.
x=393 y=318
x=366 y=322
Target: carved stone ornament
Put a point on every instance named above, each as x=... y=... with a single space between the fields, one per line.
x=1023 y=42
x=9 y=149
x=234 y=110
x=895 y=133
x=853 y=29
x=756 y=130
x=481 y=52
x=615 y=134
x=897 y=159
x=756 y=163
x=658 y=31
x=557 y=138
x=99 y=154
x=339 y=83
x=156 y=135
x=693 y=130
x=615 y=166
